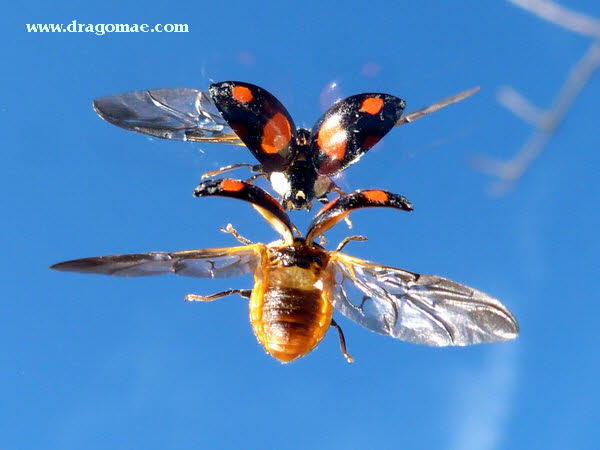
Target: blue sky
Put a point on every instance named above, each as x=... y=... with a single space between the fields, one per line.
x=97 y=362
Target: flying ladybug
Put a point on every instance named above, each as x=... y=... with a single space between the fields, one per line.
x=298 y=283
x=299 y=163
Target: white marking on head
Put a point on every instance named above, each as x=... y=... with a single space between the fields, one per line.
x=280 y=183
x=300 y=195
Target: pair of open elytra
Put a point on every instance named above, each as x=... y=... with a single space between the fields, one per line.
x=297 y=282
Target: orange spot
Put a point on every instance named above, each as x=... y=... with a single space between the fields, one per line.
x=371 y=105
x=232 y=185
x=332 y=138
x=277 y=134
x=242 y=94
x=376 y=196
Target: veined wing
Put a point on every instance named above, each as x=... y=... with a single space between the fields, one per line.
x=181 y=114
x=421 y=309
x=411 y=117
x=204 y=263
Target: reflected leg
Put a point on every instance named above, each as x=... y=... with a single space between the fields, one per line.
x=253 y=178
x=212 y=173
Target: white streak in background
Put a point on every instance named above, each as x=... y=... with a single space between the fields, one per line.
x=546 y=121
x=484 y=400
x=561 y=16
x=330 y=94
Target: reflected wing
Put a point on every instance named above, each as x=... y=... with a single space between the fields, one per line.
x=205 y=263
x=181 y=114
x=421 y=309
x=260 y=121
x=411 y=117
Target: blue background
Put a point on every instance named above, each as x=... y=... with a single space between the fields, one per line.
x=96 y=362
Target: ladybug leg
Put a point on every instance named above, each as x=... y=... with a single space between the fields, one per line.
x=342 y=341
x=347 y=239
x=212 y=173
x=209 y=298
x=331 y=187
x=229 y=229
x=253 y=178
x=335 y=188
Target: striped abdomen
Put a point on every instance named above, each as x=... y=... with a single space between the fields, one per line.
x=291 y=310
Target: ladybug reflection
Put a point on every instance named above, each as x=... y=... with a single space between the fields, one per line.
x=299 y=163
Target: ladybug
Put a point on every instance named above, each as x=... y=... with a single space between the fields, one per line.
x=298 y=283
x=299 y=163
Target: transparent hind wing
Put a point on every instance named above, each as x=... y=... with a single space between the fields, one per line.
x=421 y=309
x=412 y=116
x=180 y=114
x=204 y=263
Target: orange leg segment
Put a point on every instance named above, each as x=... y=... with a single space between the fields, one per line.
x=349 y=358
x=209 y=298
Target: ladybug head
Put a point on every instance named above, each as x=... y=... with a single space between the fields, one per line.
x=296 y=199
x=295 y=185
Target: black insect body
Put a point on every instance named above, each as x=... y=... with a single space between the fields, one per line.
x=299 y=163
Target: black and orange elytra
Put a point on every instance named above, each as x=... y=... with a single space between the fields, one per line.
x=300 y=163
x=298 y=283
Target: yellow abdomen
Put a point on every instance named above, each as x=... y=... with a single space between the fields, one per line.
x=291 y=310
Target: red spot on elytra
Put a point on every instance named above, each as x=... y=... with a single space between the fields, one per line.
x=232 y=185
x=371 y=105
x=376 y=196
x=242 y=94
x=276 y=134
